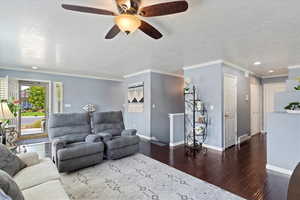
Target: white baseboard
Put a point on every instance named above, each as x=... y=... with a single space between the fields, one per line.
x=176 y=144
x=214 y=147
x=279 y=169
x=144 y=137
x=243 y=138
x=204 y=145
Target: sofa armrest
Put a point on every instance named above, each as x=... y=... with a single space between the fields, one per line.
x=104 y=136
x=58 y=144
x=129 y=132
x=30 y=158
x=93 y=138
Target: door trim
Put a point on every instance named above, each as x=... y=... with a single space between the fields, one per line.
x=42 y=81
x=48 y=83
x=223 y=113
x=257 y=87
x=266 y=97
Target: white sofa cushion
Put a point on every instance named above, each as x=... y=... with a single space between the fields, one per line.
x=30 y=158
x=51 y=190
x=36 y=174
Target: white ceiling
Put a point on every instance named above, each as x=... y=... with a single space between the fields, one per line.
x=41 y=33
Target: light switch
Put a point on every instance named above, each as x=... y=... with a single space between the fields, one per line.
x=211 y=107
x=153 y=106
x=247 y=97
x=68 y=105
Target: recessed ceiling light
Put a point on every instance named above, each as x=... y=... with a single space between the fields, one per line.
x=271 y=71
x=34 y=67
x=257 y=63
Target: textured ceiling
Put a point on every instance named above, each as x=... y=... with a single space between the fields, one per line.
x=41 y=33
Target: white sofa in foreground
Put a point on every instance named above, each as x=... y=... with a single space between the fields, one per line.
x=40 y=180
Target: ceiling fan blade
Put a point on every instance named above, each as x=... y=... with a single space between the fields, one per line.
x=164 y=9
x=112 y=32
x=150 y=30
x=87 y=9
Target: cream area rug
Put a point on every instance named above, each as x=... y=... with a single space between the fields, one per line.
x=139 y=178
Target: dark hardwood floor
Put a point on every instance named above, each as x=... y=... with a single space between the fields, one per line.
x=240 y=170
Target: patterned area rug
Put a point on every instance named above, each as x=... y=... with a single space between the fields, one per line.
x=139 y=178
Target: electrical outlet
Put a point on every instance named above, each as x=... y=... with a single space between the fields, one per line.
x=68 y=105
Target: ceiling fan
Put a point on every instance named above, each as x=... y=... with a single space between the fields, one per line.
x=127 y=20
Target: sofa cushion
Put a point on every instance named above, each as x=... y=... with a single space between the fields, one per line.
x=36 y=174
x=108 y=122
x=9 y=162
x=76 y=150
x=65 y=124
x=51 y=190
x=30 y=158
x=120 y=142
x=9 y=187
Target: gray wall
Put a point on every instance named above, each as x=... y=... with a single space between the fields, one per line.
x=283 y=140
x=167 y=97
x=282 y=99
x=243 y=105
x=163 y=91
x=208 y=81
x=178 y=128
x=106 y=95
x=274 y=80
x=294 y=73
x=140 y=121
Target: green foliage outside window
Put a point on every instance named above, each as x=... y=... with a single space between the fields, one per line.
x=36 y=97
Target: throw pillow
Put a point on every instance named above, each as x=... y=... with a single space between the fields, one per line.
x=9 y=162
x=9 y=186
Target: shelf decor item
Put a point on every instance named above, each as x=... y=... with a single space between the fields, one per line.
x=187 y=83
x=195 y=123
x=293 y=108
x=89 y=108
x=297 y=87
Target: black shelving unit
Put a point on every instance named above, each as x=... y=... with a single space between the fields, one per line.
x=195 y=123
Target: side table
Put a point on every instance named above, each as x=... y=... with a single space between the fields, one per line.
x=11 y=135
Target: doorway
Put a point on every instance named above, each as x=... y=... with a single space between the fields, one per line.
x=270 y=89
x=34 y=102
x=255 y=109
x=230 y=110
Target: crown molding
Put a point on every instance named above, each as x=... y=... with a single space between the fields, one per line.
x=220 y=62
x=275 y=76
x=153 y=71
x=62 y=74
x=294 y=67
x=203 y=65
x=137 y=73
x=239 y=68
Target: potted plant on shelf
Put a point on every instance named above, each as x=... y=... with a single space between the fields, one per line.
x=297 y=87
x=293 y=107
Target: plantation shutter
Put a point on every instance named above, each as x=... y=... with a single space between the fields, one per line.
x=13 y=92
x=58 y=96
x=3 y=88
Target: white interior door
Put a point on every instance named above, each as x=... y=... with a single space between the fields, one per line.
x=270 y=89
x=255 y=109
x=230 y=110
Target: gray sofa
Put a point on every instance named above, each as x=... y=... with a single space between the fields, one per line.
x=73 y=145
x=118 y=141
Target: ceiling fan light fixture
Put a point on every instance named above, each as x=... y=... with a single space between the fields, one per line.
x=128 y=23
